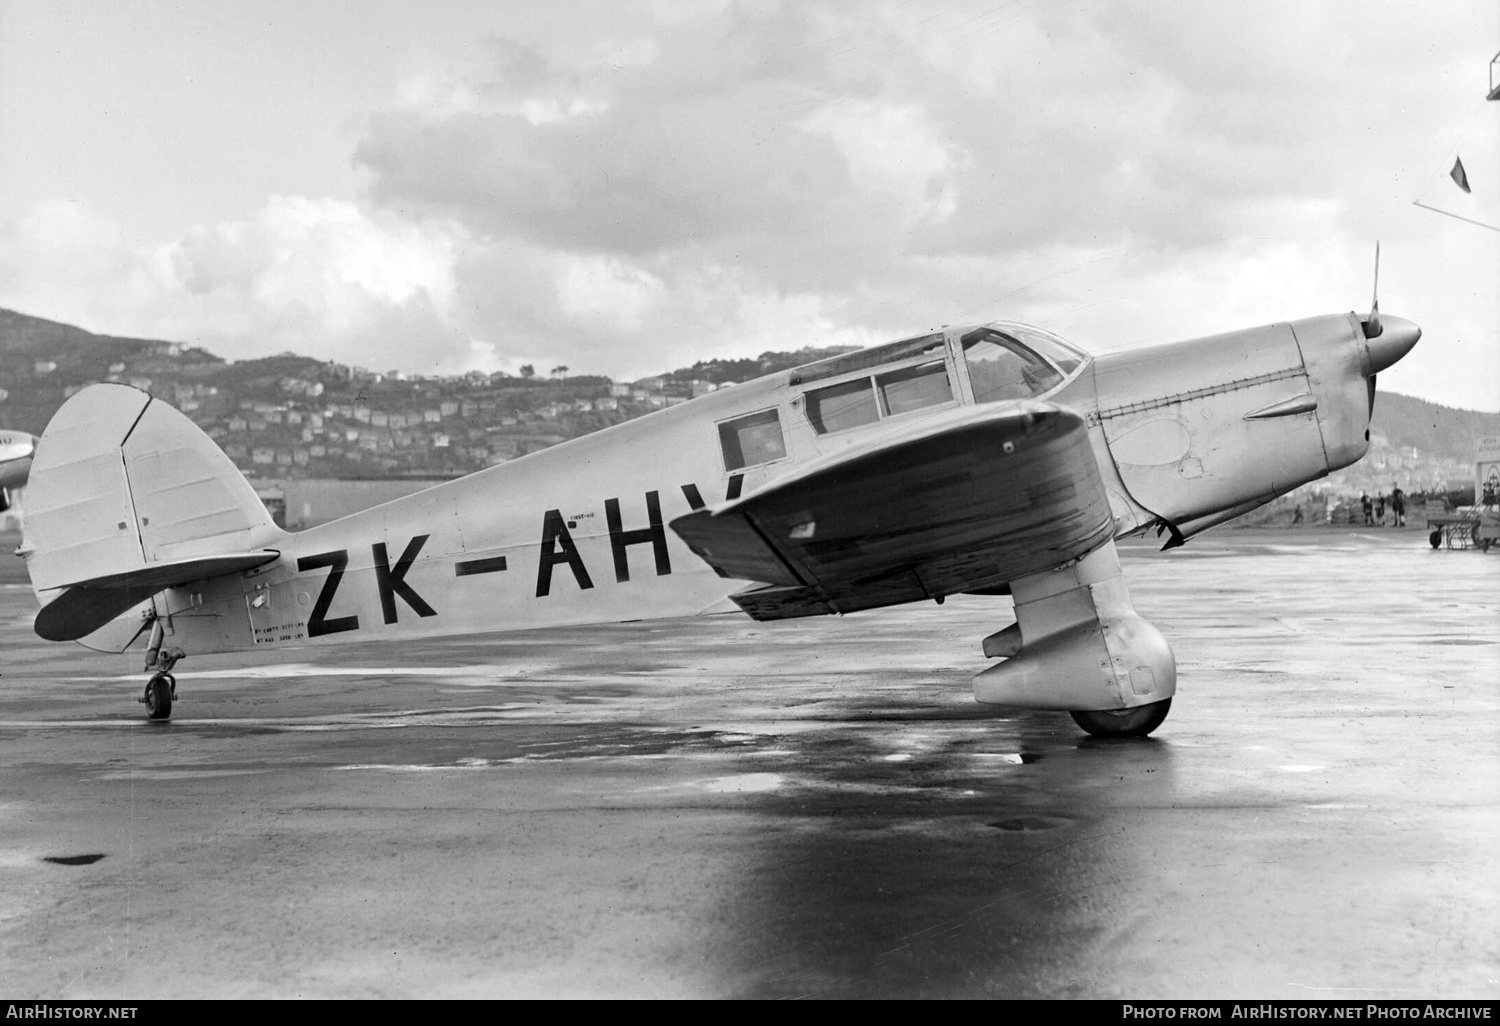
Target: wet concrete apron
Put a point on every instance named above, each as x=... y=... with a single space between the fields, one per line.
x=812 y=808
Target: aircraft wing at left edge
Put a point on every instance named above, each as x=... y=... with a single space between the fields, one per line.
x=964 y=501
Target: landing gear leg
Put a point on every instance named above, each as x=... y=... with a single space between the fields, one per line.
x=1079 y=645
x=161 y=687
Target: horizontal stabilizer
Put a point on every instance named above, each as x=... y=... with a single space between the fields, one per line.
x=85 y=606
x=958 y=502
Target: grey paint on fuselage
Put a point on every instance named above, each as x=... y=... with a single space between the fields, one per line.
x=577 y=533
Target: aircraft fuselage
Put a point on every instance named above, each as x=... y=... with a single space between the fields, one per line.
x=1185 y=434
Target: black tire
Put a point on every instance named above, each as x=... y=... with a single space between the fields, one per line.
x=1436 y=538
x=159 y=697
x=1137 y=722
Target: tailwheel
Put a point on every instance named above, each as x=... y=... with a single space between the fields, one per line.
x=160 y=690
x=1136 y=722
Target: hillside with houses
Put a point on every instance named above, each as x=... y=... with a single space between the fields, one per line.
x=294 y=417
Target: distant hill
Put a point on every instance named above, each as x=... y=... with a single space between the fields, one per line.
x=295 y=416
x=291 y=416
x=1441 y=430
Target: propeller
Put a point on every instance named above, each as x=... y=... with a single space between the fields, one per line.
x=1372 y=322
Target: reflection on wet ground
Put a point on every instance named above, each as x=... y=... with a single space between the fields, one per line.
x=815 y=808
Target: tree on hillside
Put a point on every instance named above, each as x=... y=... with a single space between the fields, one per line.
x=560 y=372
x=528 y=371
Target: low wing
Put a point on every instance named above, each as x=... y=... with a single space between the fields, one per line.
x=961 y=502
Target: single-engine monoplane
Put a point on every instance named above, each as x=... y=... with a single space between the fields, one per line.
x=994 y=458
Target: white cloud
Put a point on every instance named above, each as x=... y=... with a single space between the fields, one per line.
x=595 y=290
x=691 y=180
x=317 y=276
x=894 y=154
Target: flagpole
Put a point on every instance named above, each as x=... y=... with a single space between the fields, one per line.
x=1435 y=210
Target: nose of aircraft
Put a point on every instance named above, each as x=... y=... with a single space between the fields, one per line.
x=1397 y=336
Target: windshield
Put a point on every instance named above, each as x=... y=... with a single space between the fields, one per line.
x=1001 y=368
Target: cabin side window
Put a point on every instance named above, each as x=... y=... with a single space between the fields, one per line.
x=912 y=388
x=851 y=404
x=842 y=406
x=751 y=440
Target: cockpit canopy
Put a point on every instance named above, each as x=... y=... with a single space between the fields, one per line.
x=996 y=362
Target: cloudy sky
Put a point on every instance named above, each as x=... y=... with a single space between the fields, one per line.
x=625 y=187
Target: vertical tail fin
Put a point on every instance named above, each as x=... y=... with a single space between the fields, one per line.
x=127 y=497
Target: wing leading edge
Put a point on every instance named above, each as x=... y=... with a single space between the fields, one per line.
x=961 y=502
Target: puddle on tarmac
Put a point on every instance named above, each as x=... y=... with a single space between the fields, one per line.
x=1031 y=824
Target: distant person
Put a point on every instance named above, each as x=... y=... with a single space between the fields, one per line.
x=1297 y=516
x=1398 y=506
x=1380 y=509
x=1368 y=507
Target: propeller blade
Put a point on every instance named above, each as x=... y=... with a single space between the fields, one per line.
x=1372 y=322
x=1370 y=388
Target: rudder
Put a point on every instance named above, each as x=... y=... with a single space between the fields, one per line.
x=127 y=496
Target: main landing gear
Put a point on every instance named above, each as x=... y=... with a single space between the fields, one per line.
x=1137 y=722
x=161 y=688
x=1079 y=646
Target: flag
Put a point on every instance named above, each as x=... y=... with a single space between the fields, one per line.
x=1458 y=175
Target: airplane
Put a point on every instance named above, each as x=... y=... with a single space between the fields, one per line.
x=16 y=448
x=992 y=459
